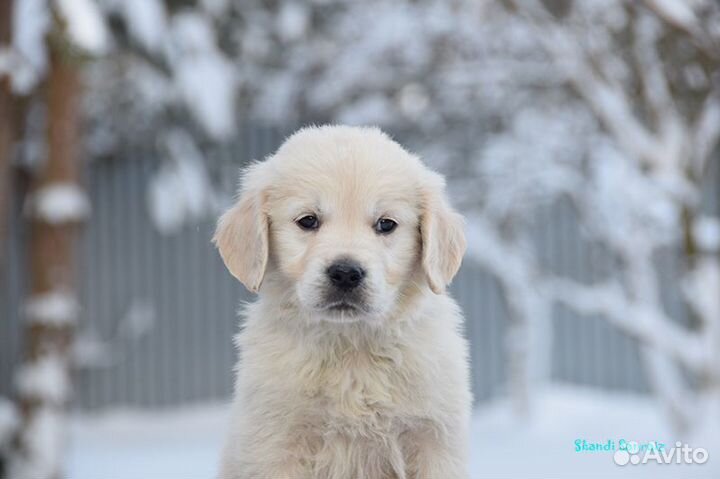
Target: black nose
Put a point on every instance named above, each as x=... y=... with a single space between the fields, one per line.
x=345 y=274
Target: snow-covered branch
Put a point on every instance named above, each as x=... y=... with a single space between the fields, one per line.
x=655 y=85
x=604 y=94
x=676 y=12
x=513 y=265
x=644 y=322
x=642 y=173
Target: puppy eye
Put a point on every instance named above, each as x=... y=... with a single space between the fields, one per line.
x=385 y=225
x=308 y=222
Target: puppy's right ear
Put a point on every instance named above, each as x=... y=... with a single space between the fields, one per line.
x=242 y=233
x=442 y=234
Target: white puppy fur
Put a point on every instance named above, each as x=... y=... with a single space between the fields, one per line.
x=337 y=381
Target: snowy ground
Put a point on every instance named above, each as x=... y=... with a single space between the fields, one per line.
x=184 y=443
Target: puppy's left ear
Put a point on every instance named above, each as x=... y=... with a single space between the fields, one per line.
x=442 y=233
x=242 y=234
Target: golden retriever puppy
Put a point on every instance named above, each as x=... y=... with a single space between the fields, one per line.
x=352 y=361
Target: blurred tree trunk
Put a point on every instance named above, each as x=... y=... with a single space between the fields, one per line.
x=6 y=132
x=5 y=154
x=57 y=206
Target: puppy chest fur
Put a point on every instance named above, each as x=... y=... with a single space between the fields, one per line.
x=348 y=407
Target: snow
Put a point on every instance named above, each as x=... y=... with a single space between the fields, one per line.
x=146 y=21
x=280 y=91
x=413 y=100
x=85 y=24
x=637 y=318
x=701 y=288
x=9 y=62
x=91 y=352
x=54 y=308
x=185 y=443
x=215 y=7
x=193 y=32
x=293 y=20
x=31 y=21
x=528 y=341
x=58 y=203
x=678 y=12
x=43 y=439
x=181 y=190
x=535 y=143
x=706 y=230
x=46 y=378
x=707 y=133
x=369 y=110
x=206 y=82
x=205 y=78
x=624 y=176
x=138 y=321
x=368 y=51
x=8 y=422
x=506 y=448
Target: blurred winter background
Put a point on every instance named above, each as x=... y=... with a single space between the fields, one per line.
x=580 y=139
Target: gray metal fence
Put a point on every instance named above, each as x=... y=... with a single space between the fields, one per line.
x=129 y=269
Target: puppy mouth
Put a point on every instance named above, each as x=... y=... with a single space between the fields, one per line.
x=344 y=307
x=347 y=303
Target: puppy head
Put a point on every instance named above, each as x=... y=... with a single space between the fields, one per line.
x=347 y=220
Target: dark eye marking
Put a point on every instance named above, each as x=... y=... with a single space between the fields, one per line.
x=385 y=226
x=308 y=222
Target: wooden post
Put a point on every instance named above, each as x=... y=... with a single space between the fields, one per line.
x=6 y=130
x=57 y=206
